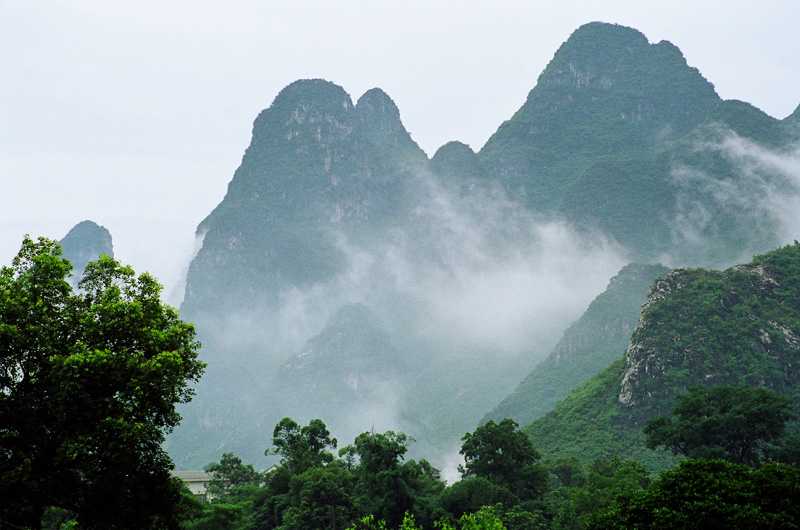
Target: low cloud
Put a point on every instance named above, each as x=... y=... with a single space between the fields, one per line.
x=758 y=195
x=473 y=291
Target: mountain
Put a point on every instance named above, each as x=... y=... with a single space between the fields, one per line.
x=472 y=264
x=316 y=163
x=588 y=346
x=347 y=371
x=732 y=327
x=793 y=119
x=84 y=243
x=457 y=161
x=612 y=132
x=606 y=93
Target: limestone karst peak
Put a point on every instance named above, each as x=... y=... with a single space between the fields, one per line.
x=84 y=243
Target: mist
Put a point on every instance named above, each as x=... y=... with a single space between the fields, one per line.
x=472 y=290
x=760 y=195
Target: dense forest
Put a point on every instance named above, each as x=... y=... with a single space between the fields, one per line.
x=506 y=484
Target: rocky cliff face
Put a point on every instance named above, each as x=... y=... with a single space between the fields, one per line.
x=715 y=328
x=84 y=243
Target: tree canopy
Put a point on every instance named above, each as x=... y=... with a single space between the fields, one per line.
x=230 y=473
x=733 y=423
x=504 y=455
x=709 y=494
x=302 y=447
x=89 y=380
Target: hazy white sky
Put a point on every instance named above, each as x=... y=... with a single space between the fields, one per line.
x=135 y=114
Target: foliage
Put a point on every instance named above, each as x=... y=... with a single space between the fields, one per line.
x=725 y=422
x=710 y=494
x=89 y=381
x=504 y=455
x=587 y=425
x=383 y=485
x=728 y=327
x=230 y=473
x=606 y=480
x=302 y=448
x=318 y=498
x=470 y=494
x=736 y=327
x=367 y=492
x=483 y=519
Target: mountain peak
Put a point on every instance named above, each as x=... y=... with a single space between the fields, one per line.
x=379 y=122
x=316 y=92
x=84 y=243
x=458 y=160
x=607 y=91
x=305 y=110
x=603 y=56
x=375 y=103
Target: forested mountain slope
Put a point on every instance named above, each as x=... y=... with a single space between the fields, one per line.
x=624 y=135
x=732 y=327
x=587 y=346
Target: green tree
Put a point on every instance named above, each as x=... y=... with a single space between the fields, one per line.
x=89 y=381
x=606 y=480
x=733 y=423
x=231 y=473
x=302 y=448
x=320 y=498
x=383 y=485
x=504 y=455
x=470 y=494
x=709 y=494
x=483 y=519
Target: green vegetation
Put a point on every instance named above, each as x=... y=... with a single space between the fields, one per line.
x=710 y=328
x=369 y=487
x=731 y=423
x=505 y=456
x=597 y=472
x=588 y=424
x=710 y=494
x=588 y=346
x=89 y=381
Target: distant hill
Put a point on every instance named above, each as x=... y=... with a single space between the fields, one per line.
x=347 y=374
x=587 y=347
x=732 y=327
x=84 y=243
